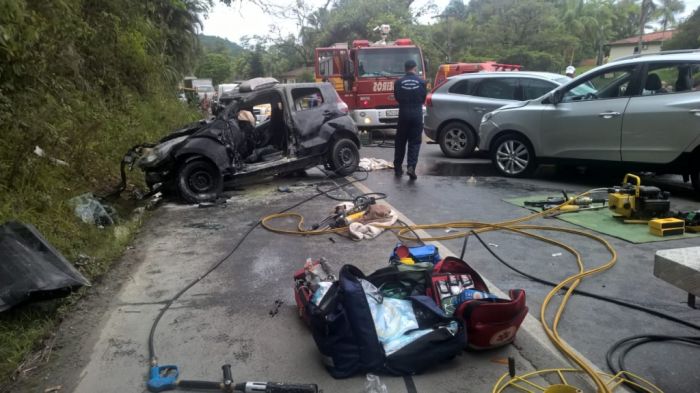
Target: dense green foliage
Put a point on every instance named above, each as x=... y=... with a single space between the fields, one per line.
x=84 y=80
x=688 y=34
x=539 y=34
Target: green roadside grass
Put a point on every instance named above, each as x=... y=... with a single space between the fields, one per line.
x=39 y=195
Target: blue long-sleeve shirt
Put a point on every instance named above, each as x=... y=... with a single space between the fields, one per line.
x=410 y=92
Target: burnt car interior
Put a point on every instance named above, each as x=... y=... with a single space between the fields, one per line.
x=267 y=137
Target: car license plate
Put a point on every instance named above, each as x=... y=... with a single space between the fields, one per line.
x=392 y=113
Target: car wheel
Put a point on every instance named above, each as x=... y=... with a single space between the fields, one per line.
x=199 y=181
x=344 y=157
x=457 y=140
x=513 y=156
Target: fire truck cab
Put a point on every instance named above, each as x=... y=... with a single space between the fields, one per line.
x=364 y=75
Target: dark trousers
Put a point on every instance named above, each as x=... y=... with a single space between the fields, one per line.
x=409 y=131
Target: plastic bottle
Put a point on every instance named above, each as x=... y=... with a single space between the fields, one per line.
x=473 y=294
x=374 y=385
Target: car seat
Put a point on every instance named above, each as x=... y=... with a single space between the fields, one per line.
x=685 y=80
x=653 y=84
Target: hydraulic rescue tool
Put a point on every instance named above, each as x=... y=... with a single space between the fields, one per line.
x=164 y=378
x=576 y=204
x=637 y=202
x=344 y=215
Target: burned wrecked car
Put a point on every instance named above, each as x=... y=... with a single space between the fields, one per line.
x=307 y=125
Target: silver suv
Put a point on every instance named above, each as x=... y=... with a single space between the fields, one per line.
x=454 y=109
x=641 y=113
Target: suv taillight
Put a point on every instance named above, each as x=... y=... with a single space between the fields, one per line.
x=341 y=105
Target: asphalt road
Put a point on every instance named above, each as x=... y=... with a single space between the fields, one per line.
x=234 y=316
x=467 y=189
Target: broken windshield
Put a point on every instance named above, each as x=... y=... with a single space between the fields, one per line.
x=387 y=61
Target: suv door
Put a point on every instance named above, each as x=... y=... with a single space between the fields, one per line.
x=586 y=123
x=664 y=119
x=308 y=111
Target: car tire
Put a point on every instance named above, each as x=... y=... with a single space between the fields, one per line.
x=344 y=157
x=457 y=140
x=513 y=156
x=199 y=181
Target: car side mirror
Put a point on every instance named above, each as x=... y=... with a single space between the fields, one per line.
x=556 y=97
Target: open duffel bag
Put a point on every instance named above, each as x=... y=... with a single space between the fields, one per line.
x=358 y=330
x=490 y=322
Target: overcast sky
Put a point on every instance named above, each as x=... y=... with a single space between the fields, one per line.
x=247 y=19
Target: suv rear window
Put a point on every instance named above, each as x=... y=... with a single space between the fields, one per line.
x=498 y=88
x=461 y=87
x=307 y=98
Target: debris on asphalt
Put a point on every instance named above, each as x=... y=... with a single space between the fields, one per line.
x=32 y=268
x=374 y=164
x=332 y=240
x=450 y=230
x=374 y=385
x=154 y=201
x=92 y=211
x=284 y=189
x=276 y=308
x=471 y=180
x=557 y=254
x=494 y=245
x=53 y=389
x=218 y=202
x=205 y=225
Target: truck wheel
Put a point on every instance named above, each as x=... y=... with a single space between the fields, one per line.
x=457 y=140
x=199 y=181
x=513 y=156
x=344 y=157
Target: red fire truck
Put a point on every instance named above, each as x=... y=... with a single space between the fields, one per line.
x=450 y=69
x=364 y=75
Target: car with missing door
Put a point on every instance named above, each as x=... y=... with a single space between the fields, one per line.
x=641 y=113
x=454 y=109
x=308 y=125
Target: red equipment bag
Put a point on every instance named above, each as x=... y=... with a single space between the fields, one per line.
x=302 y=294
x=490 y=323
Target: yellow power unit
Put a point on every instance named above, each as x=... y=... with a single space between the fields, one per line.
x=621 y=204
x=666 y=227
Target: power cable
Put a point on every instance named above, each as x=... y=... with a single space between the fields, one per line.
x=629 y=342
x=151 y=341
x=622 y=303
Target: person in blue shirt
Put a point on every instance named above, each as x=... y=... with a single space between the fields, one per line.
x=410 y=92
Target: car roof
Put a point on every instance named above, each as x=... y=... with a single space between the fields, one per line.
x=680 y=55
x=510 y=74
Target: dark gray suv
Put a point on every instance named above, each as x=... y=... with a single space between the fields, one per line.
x=309 y=125
x=454 y=109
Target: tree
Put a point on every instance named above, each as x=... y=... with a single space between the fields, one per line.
x=668 y=10
x=217 y=66
x=687 y=36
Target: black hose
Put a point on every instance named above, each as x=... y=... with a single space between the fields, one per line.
x=586 y=293
x=632 y=342
x=151 y=344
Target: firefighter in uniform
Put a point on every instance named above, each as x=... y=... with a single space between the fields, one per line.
x=410 y=92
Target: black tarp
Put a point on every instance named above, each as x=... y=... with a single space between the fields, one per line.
x=31 y=269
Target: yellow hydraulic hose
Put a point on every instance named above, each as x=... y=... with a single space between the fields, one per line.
x=514 y=226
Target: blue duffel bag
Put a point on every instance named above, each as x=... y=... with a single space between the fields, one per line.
x=358 y=330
